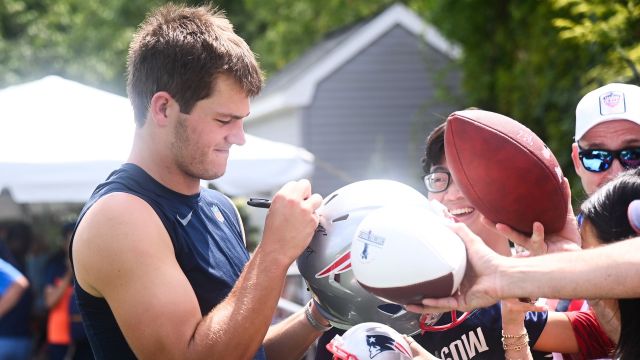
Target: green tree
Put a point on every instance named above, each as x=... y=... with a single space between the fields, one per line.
x=83 y=40
x=609 y=31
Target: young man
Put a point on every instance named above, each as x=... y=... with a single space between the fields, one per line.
x=160 y=264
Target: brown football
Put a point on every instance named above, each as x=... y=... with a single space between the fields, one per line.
x=505 y=170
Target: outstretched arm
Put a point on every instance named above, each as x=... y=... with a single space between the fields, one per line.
x=611 y=271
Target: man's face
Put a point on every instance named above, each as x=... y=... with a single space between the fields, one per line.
x=611 y=135
x=202 y=139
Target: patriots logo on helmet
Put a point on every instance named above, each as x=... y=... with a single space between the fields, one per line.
x=340 y=265
x=380 y=343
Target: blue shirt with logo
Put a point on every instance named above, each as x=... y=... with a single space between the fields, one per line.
x=207 y=240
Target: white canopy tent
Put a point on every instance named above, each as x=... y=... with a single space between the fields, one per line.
x=59 y=139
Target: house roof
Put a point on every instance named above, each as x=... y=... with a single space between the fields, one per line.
x=295 y=85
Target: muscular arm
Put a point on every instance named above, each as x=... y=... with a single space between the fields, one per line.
x=128 y=258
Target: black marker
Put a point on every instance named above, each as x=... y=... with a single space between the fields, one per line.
x=259 y=203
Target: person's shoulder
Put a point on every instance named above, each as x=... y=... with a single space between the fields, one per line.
x=116 y=232
x=114 y=214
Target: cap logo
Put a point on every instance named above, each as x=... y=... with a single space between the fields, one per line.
x=612 y=103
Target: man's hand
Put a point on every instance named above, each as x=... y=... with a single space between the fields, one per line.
x=291 y=221
x=479 y=285
x=568 y=239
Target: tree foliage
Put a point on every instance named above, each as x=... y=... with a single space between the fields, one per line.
x=78 y=39
x=609 y=30
x=83 y=40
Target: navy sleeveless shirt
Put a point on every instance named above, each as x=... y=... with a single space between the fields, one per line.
x=208 y=244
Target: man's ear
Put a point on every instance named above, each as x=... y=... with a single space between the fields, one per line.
x=577 y=165
x=160 y=108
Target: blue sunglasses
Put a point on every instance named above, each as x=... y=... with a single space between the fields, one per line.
x=599 y=160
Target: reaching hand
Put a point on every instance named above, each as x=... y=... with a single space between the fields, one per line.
x=514 y=310
x=567 y=239
x=479 y=285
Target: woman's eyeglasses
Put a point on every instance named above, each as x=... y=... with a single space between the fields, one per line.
x=437 y=181
x=598 y=160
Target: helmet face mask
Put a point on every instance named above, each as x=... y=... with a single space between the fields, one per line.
x=326 y=263
x=370 y=341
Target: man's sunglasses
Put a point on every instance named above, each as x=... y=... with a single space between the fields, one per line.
x=598 y=160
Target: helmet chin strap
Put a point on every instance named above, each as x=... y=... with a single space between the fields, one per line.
x=455 y=321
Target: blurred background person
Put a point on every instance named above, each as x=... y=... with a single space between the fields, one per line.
x=15 y=330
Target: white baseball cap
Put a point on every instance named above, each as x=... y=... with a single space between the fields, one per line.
x=613 y=101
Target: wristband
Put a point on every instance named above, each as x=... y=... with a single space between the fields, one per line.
x=312 y=321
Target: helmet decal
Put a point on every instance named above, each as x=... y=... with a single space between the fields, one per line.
x=340 y=265
x=379 y=343
x=370 y=340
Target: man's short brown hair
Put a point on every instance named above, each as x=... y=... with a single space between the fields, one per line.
x=181 y=50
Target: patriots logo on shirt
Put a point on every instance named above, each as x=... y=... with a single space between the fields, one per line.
x=379 y=343
x=217 y=213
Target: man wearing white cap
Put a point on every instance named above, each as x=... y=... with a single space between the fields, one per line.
x=607 y=138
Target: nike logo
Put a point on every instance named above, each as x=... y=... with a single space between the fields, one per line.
x=186 y=219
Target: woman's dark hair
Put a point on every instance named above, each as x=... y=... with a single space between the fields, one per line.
x=606 y=211
x=434 y=150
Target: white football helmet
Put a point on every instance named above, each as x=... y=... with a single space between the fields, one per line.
x=326 y=263
x=370 y=340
